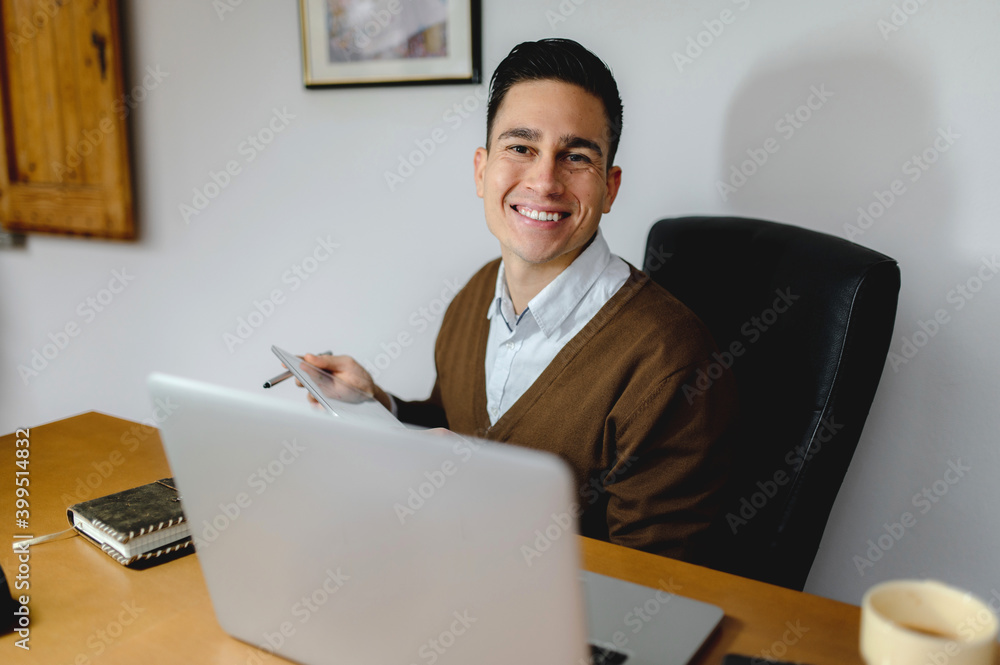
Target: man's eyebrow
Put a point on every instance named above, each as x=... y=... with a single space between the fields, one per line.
x=569 y=141
x=522 y=133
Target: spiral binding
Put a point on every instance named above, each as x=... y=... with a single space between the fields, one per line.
x=117 y=556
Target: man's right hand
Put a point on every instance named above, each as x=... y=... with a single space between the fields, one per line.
x=348 y=370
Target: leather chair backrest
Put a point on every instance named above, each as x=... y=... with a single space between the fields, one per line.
x=804 y=319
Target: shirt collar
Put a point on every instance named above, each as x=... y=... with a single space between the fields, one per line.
x=502 y=302
x=561 y=296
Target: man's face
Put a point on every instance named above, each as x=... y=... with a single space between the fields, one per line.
x=547 y=160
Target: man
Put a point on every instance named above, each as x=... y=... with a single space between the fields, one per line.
x=562 y=346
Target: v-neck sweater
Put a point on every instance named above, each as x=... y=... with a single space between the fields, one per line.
x=629 y=403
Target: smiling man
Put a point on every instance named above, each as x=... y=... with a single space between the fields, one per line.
x=545 y=179
x=562 y=346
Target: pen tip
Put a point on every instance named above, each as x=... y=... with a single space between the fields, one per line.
x=267 y=384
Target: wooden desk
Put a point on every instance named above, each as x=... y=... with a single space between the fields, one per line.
x=85 y=608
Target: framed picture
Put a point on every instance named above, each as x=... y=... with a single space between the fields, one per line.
x=390 y=42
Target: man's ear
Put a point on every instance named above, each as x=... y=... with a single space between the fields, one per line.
x=479 y=161
x=614 y=182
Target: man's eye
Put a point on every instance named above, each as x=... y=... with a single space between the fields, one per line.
x=519 y=149
x=578 y=158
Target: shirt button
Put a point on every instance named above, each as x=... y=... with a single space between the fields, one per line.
x=510 y=346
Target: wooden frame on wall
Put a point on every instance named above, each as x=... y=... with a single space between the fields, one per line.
x=390 y=42
x=64 y=154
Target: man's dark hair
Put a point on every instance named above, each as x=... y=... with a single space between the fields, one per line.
x=560 y=60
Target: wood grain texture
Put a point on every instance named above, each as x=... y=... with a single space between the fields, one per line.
x=78 y=594
x=66 y=167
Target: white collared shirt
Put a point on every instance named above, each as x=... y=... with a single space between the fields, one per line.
x=520 y=347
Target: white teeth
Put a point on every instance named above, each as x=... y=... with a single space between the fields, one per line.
x=541 y=216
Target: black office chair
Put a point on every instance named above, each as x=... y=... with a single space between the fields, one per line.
x=805 y=320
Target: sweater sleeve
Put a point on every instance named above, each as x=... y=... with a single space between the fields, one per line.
x=458 y=349
x=672 y=462
x=424 y=413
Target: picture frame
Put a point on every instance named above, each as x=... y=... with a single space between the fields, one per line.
x=354 y=43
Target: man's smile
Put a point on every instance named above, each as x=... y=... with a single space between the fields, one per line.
x=540 y=215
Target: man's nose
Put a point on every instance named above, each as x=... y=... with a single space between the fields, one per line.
x=543 y=177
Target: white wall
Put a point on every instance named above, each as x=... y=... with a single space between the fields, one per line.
x=323 y=176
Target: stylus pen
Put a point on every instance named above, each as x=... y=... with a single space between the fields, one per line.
x=286 y=375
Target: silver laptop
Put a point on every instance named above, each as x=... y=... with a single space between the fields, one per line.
x=331 y=541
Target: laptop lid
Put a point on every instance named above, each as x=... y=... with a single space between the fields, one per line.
x=330 y=541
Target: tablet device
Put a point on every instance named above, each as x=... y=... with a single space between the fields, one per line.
x=337 y=397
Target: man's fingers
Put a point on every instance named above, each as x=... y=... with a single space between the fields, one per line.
x=346 y=368
x=444 y=432
x=332 y=363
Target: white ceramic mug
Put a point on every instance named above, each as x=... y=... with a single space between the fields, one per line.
x=925 y=622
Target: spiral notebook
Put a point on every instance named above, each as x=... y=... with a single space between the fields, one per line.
x=137 y=525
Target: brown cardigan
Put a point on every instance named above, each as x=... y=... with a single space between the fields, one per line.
x=648 y=453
